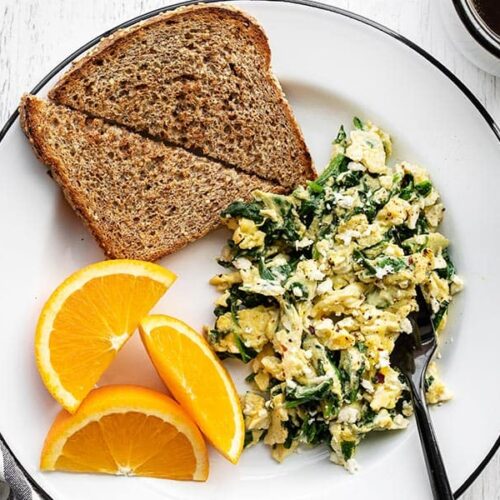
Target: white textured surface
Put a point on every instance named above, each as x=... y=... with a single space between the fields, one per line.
x=36 y=34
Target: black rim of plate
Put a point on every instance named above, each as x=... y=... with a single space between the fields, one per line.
x=308 y=3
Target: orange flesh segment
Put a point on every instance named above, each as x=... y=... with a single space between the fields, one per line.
x=82 y=339
x=88 y=319
x=109 y=438
x=198 y=381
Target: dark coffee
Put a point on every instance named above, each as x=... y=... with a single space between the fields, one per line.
x=489 y=12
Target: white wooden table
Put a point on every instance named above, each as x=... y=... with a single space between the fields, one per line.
x=35 y=35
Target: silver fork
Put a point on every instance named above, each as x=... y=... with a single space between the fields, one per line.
x=411 y=355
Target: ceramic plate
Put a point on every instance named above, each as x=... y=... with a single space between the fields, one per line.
x=333 y=65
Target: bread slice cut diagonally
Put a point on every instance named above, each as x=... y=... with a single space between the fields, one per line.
x=140 y=198
x=198 y=77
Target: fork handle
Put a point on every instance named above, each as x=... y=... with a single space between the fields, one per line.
x=435 y=467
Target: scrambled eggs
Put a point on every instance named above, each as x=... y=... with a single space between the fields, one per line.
x=320 y=284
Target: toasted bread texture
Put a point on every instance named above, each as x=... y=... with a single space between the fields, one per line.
x=140 y=198
x=197 y=77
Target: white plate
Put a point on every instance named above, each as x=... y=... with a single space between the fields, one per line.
x=332 y=66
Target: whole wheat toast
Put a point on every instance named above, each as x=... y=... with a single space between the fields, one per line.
x=140 y=198
x=198 y=77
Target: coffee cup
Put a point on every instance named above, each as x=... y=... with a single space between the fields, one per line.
x=474 y=27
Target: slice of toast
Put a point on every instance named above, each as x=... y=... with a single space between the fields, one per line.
x=197 y=77
x=141 y=199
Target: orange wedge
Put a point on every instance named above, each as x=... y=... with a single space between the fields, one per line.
x=198 y=381
x=88 y=319
x=128 y=431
